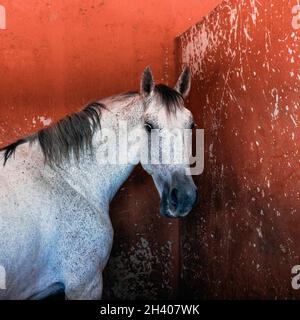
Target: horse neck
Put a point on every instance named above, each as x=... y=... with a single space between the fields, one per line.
x=98 y=182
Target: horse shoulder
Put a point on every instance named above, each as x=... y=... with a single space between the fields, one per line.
x=85 y=231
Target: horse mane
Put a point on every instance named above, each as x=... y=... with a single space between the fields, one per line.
x=169 y=97
x=68 y=137
x=73 y=134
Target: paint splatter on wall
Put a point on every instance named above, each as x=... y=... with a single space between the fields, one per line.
x=244 y=239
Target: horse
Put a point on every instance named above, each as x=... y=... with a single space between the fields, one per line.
x=55 y=191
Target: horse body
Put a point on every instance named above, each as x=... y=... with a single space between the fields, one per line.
x=55 y=229
x=54 y=222
x=26 y=222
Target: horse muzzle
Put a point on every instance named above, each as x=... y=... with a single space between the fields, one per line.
x=178 y=200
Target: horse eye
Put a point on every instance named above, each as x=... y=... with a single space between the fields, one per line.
x=148 y=127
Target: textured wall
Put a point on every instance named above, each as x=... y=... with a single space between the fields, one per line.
x=55 y=56
x=245 y=237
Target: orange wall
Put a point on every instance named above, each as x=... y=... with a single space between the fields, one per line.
x=57 y=55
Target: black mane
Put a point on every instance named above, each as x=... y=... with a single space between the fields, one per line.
x=10 y=150
x=73 y=134
x=171 y=98
x=68 y=137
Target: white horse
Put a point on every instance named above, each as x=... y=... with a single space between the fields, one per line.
x=55 y=230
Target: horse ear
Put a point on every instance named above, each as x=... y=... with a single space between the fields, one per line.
x=183 y=84
x=147 y=82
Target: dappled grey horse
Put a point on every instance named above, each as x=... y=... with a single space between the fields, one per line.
x=55 y=191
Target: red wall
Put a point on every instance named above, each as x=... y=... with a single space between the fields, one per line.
x=57 y=55
x=244 y=239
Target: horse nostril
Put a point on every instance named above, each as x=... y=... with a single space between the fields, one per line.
x=174 y=197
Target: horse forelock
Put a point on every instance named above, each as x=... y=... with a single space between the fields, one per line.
x=171 y=99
